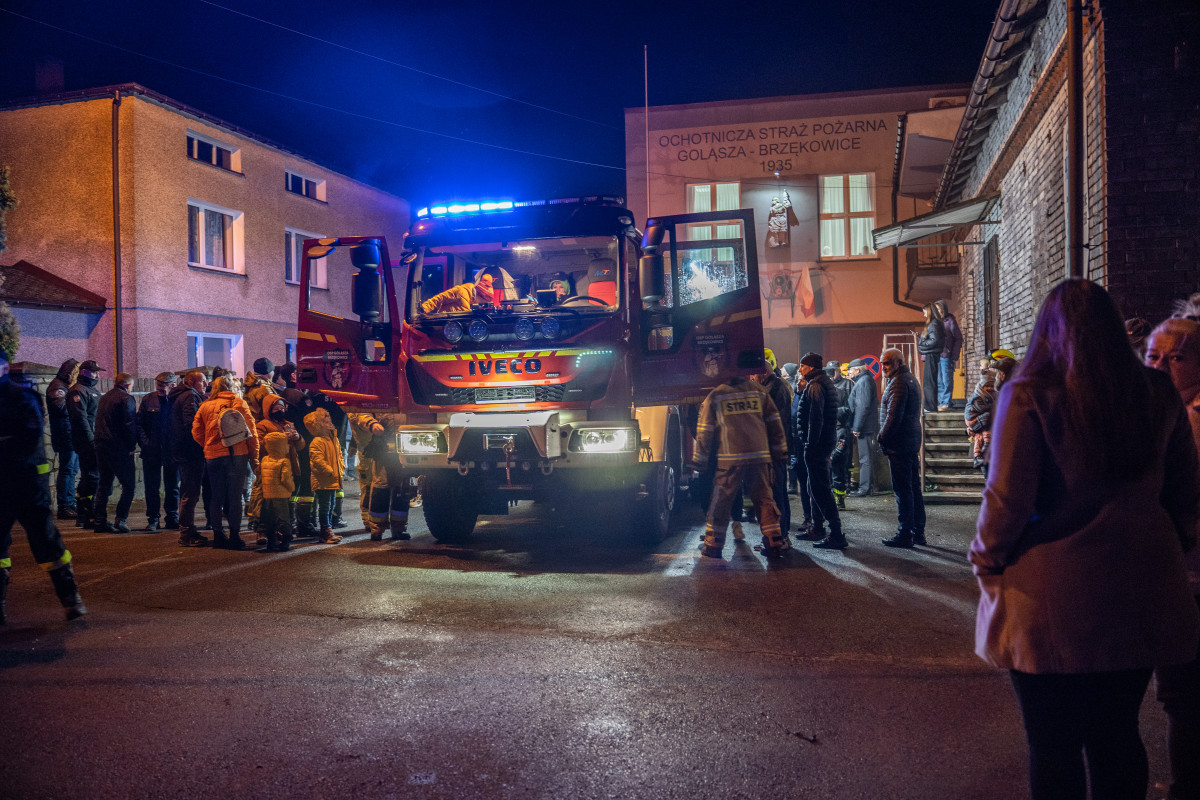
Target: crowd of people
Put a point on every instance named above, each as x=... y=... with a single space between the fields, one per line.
x=256 y=453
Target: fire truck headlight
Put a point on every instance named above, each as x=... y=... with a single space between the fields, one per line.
x=453 y=331
x=603 y=440
x=419 y=442
x=523 y=329
x=478 y=330
x=551 y=327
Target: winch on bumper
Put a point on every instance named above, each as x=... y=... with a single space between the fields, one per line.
x=525 y=447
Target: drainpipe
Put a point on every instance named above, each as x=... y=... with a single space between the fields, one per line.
x=1076 y=248
x=118 y=344
x=901 y=124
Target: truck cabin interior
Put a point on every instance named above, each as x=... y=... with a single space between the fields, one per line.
x=528 y=275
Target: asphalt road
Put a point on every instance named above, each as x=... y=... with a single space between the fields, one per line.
x=533 y=662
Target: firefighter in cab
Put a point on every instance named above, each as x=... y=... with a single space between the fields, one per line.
x=25 y=492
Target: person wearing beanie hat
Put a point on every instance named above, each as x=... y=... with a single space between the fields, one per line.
x=159 y=471
x=116 y=443
x=816 y=432
x=264 y=366
x=25 y=492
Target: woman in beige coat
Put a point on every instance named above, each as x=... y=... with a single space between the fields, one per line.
x=1090 y=504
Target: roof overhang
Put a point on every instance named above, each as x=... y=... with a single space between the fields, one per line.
x=911 y=231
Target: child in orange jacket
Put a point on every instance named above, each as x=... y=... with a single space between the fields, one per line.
x=278 y=484
x=326 y=466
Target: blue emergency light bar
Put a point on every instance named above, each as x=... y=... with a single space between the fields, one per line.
x=486 y=206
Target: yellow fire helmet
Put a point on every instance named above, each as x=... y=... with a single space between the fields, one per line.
x=1002 y=353
x=769 y=355
x=845 y=368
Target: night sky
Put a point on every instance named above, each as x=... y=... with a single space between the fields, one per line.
x=464 y=99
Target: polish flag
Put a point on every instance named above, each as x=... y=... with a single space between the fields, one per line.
x=804 y=291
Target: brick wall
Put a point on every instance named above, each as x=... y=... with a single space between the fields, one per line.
x=1151 y=55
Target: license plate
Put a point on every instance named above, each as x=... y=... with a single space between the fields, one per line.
x=505 y=394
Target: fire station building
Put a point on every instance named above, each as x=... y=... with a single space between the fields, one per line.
x=150 y=236
x=821 y=173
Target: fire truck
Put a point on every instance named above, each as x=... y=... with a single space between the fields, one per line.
x=576 y=385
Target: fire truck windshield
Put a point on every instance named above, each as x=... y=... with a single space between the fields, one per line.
x=535 y=275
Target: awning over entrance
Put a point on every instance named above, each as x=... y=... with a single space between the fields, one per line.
x=910 y=231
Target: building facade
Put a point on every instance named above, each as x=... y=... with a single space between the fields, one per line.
x=1141 y=168
x=820 y=173
x=189 y=229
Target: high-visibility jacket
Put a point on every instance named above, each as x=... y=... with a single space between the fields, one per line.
x=740 y=422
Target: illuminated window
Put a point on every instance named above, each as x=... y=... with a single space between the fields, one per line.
x=308 y=187
x=847 y=215
x=215 y=237
x=293 y=258
x=215 y=350
x=714 y=197
x=289 y=351
x=209 y=151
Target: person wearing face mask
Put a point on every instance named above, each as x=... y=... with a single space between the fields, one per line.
x=1174 y=348
x=83 y=401
x=900 y=440
x=158 y=468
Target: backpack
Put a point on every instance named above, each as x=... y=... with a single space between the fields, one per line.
x=233 y=427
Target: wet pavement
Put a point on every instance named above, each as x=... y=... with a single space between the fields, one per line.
x=538 y=660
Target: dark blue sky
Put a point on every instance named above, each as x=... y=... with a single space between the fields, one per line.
x=468 y=99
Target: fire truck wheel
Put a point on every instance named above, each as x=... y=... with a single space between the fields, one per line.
x=650 y=518
x=450 y=509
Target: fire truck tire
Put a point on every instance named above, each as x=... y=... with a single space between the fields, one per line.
x=449 y=506
x=650 y=517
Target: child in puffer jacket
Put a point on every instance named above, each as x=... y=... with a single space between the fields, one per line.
x=978 y=415
x=278 y=484
x=326 y=467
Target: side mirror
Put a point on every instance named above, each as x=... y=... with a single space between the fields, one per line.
x=651 y=281
x=367 y=282
x=653 y=236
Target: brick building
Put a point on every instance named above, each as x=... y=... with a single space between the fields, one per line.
x=819 y=172
x=1002 y=193
x=185 y=228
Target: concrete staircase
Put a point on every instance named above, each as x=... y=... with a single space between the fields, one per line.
x=947 y=457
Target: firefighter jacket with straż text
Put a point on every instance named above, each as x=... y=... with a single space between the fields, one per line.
x=739 y=421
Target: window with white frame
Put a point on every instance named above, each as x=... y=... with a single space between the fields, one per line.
x=215 y=350
x=299 y=184
x=714 y=197
x=847 y=215
x=289 y=351
x=293 y=259
x=215 y=237
x=210 y=151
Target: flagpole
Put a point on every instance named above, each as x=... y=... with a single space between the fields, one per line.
x=646 y=118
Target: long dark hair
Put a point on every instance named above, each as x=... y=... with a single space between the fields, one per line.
x=1079 y=346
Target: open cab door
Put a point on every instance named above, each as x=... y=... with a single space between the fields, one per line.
x=701 y=318
x=348 y=330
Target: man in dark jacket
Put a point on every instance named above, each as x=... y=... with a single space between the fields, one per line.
x=900 y=440
x=781 y=394
x=182 y=403
x=158 y=467
x=25 y=492
x=60 y=437
x=951 y=349
x=116 y=443
x=816 y=431
x=864 y=424
x=299 y=404
x=83 y=400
